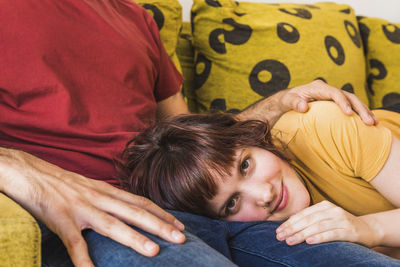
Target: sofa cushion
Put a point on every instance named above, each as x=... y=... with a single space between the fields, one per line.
x=246 y=51
x=185 y=54
x=382 y=49
x=19 y=235
x=168 y=17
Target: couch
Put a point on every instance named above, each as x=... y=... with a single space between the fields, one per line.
x=234 y=54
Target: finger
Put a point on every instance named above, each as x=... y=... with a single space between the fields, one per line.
x=75 y=244
x=361 y=109
x=339 y=98
x=296 y=230
x=111 y=227
x=295 y=101
x=328 y=236
x=141 y=218
x=322 y=206
x=312 y=230
x=141 y=202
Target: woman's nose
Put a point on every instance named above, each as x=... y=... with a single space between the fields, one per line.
x=265 y=195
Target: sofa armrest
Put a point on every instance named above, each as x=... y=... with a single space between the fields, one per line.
x=20 y=237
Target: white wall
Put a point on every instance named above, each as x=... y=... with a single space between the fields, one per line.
x=386 y=9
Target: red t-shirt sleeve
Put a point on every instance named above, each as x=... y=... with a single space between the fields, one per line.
x=169 y=79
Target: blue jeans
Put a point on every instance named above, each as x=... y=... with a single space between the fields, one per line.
x=245 y=244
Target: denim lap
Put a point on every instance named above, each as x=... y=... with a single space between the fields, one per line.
x=246 y=244
x=105 y=252
x=255 y=244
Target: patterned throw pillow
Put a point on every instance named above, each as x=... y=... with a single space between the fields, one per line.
x=382 y=49
x=185 y=53
x=247 y=51
x=168 y=17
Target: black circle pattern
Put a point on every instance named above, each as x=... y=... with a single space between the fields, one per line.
x=239 y=14
x=321 y=78
x=390 y=99
x=393 y=36
x=213 y=3
x=240 y=34
x=351 y=28
x=382 y=72
x=364 y=31
x=214 y=41
x=201 y=78
x=157 y=15
x=300 y=12
x=218 y=104
x=280 y=77
x=330 y=42
x=192 y=16
x=346 y=11
x=348 y=88
x=291 y=36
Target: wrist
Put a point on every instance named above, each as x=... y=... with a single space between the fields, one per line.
x=376 y=233
x=268 y=109
x=5 y=156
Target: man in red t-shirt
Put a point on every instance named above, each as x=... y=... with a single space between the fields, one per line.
x=78 y=78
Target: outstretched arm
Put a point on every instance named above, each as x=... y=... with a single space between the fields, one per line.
x=326 y=222
x=273 y=107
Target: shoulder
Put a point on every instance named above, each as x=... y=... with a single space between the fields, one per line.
x=321 y=117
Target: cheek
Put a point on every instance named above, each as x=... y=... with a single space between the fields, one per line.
x=249 y=215
x=271 y=166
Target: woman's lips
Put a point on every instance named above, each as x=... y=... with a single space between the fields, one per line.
x=283 y=200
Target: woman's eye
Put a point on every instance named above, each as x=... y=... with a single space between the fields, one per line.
x=231 y=206
x=245 y=165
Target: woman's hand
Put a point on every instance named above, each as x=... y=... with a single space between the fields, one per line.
x=68 y=203
x=324 y=222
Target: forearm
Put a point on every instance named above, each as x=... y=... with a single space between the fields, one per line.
x=173 y=105
x=20 y=170
x=385 y=227
x=6 y=164
x=269 y=109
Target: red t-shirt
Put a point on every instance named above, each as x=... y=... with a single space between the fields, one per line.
x=78 y=78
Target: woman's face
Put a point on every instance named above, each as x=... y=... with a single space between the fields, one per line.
x=262 y=187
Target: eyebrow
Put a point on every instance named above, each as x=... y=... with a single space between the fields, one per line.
x=238 y=162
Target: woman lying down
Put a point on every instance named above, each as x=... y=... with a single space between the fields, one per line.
x=327 y=174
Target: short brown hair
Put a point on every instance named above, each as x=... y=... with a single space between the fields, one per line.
x=174 y=163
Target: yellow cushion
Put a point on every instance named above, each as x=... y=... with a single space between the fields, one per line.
x=246 y=51
x=168 y=16
x=382 y=46
x=185 y=54
x=19 y=235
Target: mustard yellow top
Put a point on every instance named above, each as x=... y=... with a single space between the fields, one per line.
x=337 y=155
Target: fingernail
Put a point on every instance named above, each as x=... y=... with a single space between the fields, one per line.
x=291 y=239
x=179 y=225
x=349 y=110
x=281 y=236
x=176 y=235
x=301 y=106
x=150 y=246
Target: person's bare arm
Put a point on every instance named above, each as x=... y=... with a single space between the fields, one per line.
x=326 y=222
x=68 y=203
x=296 y=98
x=171 y=106
x=387 y=182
